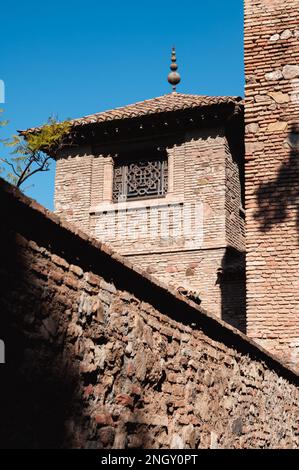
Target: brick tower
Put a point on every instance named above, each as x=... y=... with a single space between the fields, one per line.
x=272 y=174
x=160 y=181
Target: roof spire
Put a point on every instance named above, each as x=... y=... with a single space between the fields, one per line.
x=174 y=77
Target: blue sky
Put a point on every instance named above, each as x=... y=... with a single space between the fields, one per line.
x=74 y=58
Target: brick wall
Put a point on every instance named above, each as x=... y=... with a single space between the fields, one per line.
x=73 y=190
x=234 y=211
x=98 y=354
x=272 y=177
x=202 y=270
x=204 y=179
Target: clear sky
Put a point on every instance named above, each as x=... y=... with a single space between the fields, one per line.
x=72 y=58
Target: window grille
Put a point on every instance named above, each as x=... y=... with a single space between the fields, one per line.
x=140 y=179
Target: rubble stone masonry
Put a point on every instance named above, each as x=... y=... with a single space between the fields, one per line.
x=272 y=174
x=100 y=355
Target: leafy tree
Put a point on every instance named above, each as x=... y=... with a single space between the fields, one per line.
x=32 y=151
x=2 y=124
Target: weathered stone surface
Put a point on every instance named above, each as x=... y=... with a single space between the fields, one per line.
x=177 y=442
x=286 y=34
x=106 y=436
x=140 y=378
x=262 y=99
x=278 y=126
x=237 y=426
x=275 y=75
x=280 y=97
x=76 y=270
x=274 y=37
x=252 y=147
x=124 y=399
x=290 y=71
x=214 y=440
x=103 y=419
x=252 y=128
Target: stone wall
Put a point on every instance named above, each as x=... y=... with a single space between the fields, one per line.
x=99 y=354
x=272 y=176
x=184 y=237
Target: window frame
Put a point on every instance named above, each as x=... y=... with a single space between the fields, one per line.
x=121 y=164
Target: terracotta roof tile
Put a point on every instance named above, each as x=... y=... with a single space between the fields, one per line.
x=162 y=104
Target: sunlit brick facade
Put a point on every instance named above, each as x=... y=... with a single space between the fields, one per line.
x=272 y=174
x=187 y=230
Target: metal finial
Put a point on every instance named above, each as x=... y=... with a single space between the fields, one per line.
x=174 y=77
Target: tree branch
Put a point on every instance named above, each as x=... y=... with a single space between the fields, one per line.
x=22 y=177
x=11 y=166
x=41 y=168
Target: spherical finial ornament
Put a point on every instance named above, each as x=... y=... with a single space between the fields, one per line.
x=174 y=77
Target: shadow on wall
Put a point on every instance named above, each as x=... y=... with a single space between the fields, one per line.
x=47 y=399
x=277 y=197
x=36 y=388
x=231 y=276
x=232 y=281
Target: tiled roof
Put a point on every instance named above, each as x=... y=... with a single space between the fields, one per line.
x=162 y=104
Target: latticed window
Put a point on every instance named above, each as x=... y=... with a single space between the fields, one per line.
x=140 y=178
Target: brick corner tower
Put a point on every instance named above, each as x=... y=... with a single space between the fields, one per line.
x=272 y=175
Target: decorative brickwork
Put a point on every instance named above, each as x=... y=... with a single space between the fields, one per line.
x=100 y=355
x=272 y=176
